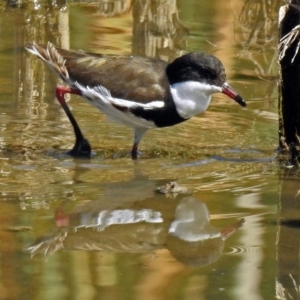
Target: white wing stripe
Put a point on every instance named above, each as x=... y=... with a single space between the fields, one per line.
x=101 y=98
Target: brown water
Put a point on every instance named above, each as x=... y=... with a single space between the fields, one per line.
x=96 y=229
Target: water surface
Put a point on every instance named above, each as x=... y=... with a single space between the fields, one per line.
x=96 y=229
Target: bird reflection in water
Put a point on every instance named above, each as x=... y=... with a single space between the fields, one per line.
x=183 y=227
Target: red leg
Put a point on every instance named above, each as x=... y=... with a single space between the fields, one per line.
x=61 y=90
x=82 y=147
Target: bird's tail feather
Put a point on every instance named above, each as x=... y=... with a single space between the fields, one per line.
x=51 y=57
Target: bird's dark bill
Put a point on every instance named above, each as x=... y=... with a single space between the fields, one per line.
x=230 y=92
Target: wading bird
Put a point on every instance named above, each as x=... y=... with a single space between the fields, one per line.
x=139 y=92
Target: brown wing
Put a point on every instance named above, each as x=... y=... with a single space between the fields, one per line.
x=127 y=77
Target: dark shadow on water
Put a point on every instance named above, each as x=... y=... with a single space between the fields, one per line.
x=171 y=157
x=293 y=223
x=242 y=156
x=262 y=160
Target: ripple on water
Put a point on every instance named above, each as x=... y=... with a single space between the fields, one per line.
x=236 y=250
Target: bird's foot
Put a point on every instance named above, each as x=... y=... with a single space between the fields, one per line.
x=135 y=154
x=81 y=149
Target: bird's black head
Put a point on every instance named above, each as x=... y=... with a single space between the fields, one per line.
x=204 y=68
x=196 y=66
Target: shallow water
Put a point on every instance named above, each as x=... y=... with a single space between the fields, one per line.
x=97 y=229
